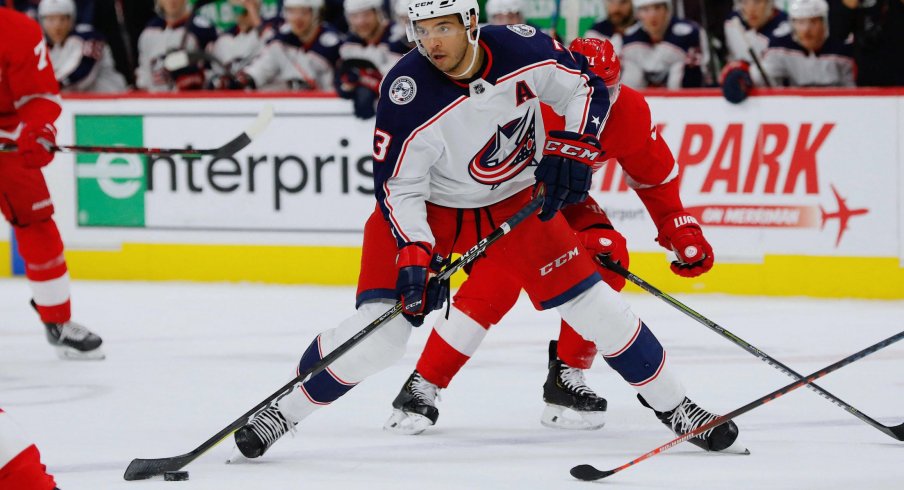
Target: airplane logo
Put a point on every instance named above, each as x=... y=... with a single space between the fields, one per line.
x=843 y=214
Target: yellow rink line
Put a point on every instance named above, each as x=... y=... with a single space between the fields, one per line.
x=830 y=277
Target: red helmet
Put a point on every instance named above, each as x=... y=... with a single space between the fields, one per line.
x=601 y=56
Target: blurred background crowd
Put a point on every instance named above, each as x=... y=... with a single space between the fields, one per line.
x=347 y=45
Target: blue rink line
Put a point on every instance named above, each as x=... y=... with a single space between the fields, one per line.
x=17 y=262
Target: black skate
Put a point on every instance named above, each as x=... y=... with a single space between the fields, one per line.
x=414 y=409
x=73 y=341
x=687 y=416
x=256 y=437
x=565 y=390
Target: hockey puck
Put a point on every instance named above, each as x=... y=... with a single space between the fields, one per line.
x=175 y=476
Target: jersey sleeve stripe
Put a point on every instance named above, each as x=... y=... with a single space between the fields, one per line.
x=55 y=98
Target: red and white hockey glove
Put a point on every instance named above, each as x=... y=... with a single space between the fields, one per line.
x=35 y=144
x=603 y=239
x=416 y=286
x=680 y=233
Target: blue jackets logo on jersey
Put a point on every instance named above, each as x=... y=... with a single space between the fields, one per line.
x=402 y=90
x=507 y=152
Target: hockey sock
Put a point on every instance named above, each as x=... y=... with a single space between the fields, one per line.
x=45 y=267
x=451 y=343
x=642 y=363
x=574 y=350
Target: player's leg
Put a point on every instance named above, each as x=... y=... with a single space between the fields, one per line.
x=376 y=295
x=557 y=275
x=20 y=461
x=481 y=302
x=26 y=204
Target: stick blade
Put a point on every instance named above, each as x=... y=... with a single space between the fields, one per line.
x=898 y=432
x=245 y=139
x=142 y=469
x=587 y=472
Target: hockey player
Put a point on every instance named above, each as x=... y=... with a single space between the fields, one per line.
x=662 y=50
x=236 y=47
x=29 y=104
x=20 y=461
x=302 y=55
x=807 y=57
x=81 y=58
x=366 y=55
x=172 y=49
x=473 y=95
x=619 y=17
x=503 y=12
x=630 y=138
x=751 y=26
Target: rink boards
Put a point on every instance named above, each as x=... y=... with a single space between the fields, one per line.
x=771 y=180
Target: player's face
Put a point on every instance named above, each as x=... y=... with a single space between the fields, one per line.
x=618 y=11
x=364 y=24
x=810 y=33
x=57 y=27
x=756 y=12
x=445 y=40
x=507 y=18
x=173 y=8
x=654 y=18
x=300 y=19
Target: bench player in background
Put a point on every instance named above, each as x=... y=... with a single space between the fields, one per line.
x=20 y=461
x=487 y=295
x=619 y=17
x=458 y=131
x=29 y=105
x=81 y=58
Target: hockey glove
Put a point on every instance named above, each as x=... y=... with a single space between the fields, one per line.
x=604 y=240
x=35 y=144
x=736 y=82
x=680 y=233
x=416 y=287
x=364 y=103
x=566 y=169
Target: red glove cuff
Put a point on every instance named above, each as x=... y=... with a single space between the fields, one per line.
x=732 y=66
x=414 y=254
x=672 y=223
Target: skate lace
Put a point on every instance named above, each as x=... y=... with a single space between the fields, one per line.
x=573 y=379
x=270 y=425
x=425 y=391
x=688 y=416
x=73 y=331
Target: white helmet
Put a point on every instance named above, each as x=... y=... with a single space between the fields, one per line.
x=806 y=9
x=643 y=3
x=56 y=7
x=494 y=7
x=400 y=8
x=313 y=4
x=467 y=10
x=354 y=6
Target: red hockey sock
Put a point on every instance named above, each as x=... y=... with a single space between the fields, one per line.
x=25 y=472
x=45 y=267
x=440 y=362
x=574 y=350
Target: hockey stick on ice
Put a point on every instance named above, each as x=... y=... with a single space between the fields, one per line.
x=896 y=431
x=141 y=469
x=232 y=147
x=587 y=472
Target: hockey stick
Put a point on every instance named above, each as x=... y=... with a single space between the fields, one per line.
x=141 y=469
x=231 y=148
x=896 y=431
x=587 y=472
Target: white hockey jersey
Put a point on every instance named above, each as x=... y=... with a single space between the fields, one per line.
x=471 y=145
x=158 y=39
x=287 y=62
x=83 y=63
x=740 y=37
x=675 y=62
x=788 y=63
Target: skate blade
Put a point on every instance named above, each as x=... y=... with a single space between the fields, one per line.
x=69 y=354
x=406 y=424
x=236 y=456
x=736 y=448
x=559 y=417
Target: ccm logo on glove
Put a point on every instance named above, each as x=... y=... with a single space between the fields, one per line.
x=554 y=147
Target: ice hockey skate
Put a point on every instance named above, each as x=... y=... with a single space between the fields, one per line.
x=570 y=403
x=73 y=341
x=687 y=416
x=414 y=409
x=256 y=437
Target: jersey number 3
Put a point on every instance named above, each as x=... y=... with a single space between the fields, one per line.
x=41 y=53
x=381 y=144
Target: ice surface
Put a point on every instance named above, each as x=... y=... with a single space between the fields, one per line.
x=185 y=359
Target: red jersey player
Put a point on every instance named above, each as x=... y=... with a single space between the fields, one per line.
x=488 y=294
x=20 y=461
x=29 y=104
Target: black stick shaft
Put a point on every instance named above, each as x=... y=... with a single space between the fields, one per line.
x=896 y=432
x=588 y=472
x=140 y=469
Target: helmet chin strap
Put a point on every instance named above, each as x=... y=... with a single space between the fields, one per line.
x=473 y=58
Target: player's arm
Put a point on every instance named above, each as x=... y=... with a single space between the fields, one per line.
x=35 y=95
x=82 y=67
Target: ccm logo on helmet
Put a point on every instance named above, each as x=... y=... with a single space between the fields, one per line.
x=564 y=149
